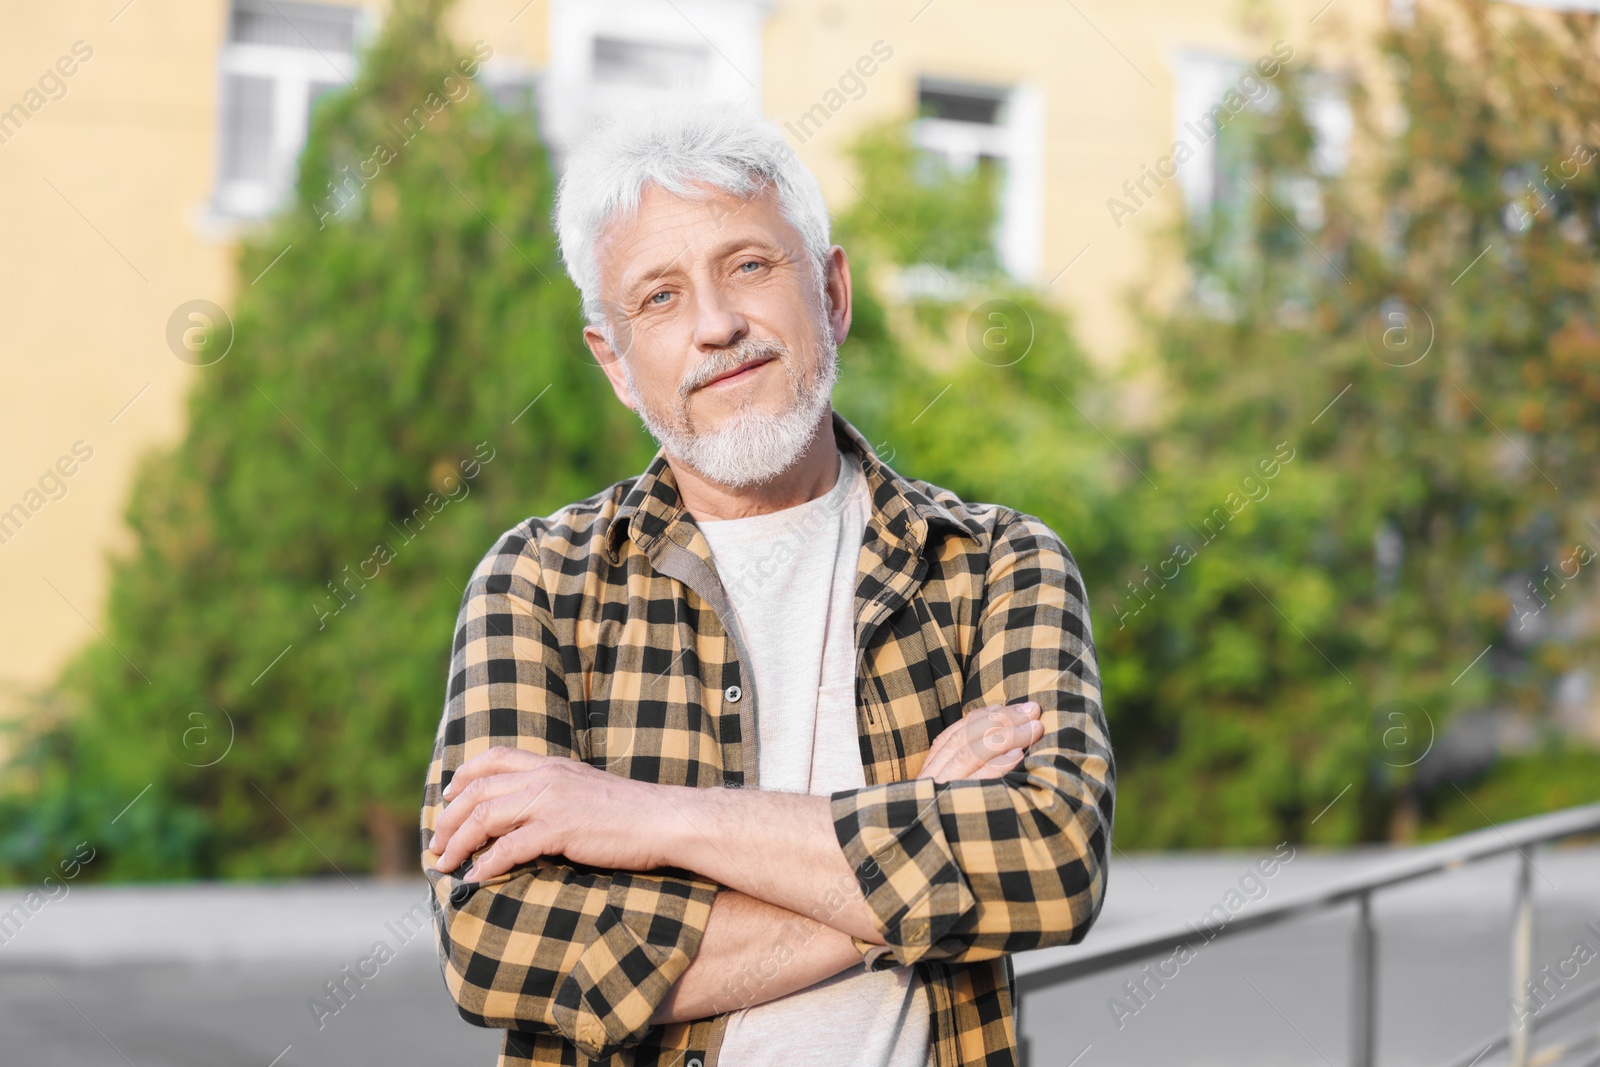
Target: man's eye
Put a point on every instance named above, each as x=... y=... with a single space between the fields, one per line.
x=750 y=263
x=653 y=296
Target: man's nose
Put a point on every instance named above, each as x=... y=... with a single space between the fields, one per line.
x=718 y=322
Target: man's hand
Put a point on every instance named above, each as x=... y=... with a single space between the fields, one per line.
x=985 y=743
x=532 y=805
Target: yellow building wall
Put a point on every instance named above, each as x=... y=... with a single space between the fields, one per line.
x=99 y=248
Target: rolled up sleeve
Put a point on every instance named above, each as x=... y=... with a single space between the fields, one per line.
x=550 y=946
x=970 y=870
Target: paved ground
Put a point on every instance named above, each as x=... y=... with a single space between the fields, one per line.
x=1281 y=995
x=215 y=976
x=219 y=976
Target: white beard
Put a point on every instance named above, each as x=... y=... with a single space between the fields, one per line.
x=755 y=446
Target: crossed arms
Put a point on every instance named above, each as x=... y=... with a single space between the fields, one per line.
x=604 y=905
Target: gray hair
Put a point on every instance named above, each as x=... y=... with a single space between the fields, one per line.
x=675 y=141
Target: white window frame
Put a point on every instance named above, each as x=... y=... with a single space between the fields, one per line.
x=728 y=32
x=1016 y=139
x=293 y=72
x=1201 y=79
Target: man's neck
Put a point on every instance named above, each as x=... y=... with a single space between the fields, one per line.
x=811 y=476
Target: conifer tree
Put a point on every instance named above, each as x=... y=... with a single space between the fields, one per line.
x=404 y=383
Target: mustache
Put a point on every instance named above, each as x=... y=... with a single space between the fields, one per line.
x=728 y=359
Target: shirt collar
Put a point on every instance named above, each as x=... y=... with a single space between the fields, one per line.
x=901 y=512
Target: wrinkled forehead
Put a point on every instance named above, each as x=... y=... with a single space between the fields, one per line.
x=666 y=229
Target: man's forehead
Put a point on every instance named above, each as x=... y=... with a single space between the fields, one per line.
x=706 y=201
x=667 y=228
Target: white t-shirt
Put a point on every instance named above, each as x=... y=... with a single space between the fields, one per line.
x=791 y=578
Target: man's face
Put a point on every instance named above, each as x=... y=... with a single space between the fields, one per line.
x=697 y=288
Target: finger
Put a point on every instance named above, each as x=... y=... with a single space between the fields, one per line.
x=940 y=751
x=1025 y=734
x=474 y=793
x=992 y=746
x=1000 y=765
x=979 y=719
x=949 y=758
x=982 y=764
x=1007 y=759
x=998 y=740
x=1013 y=714
x=498 y=760
x=489 y=820
x=520 y=846
x=994 y=767
x=998 y=729
x=501 y=759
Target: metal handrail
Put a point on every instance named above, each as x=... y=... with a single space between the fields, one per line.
x=1106 y=954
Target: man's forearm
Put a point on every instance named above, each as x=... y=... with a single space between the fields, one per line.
x=776 y=847
x=753 y=952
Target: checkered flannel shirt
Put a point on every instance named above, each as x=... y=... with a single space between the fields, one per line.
x=601 y=633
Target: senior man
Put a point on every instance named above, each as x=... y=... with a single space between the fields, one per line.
x=636 y=859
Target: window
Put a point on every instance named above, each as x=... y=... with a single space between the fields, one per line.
x=964 y=123
x=247 y=122
x=1209 y=177
x=961 y=104
x=660 y=66
x=1202 y=81
x=608 y=54
x=280 y=56
x=293 y=25
x=512 y=84
x=1215 y=155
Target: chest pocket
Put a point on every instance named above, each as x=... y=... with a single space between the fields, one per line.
x=646 y=713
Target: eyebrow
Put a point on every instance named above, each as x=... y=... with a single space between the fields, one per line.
x=727 y=247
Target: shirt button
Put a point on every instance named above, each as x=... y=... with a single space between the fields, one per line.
x=732 y=694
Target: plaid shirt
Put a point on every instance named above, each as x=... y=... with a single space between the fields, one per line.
x=600 y=633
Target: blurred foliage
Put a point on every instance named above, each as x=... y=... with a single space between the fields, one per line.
x=1421 y=330
x=1378 y=424
x=1350 y=490
x=1555 y=776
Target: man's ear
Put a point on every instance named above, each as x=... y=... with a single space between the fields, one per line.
x=610 y=361
x=839 y=293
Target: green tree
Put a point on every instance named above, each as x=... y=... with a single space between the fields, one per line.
x=1423 y=331
x=406 y=382
x=1352 y=479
